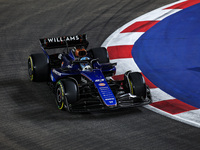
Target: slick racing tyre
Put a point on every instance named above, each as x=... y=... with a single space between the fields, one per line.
x=38 y=67
x=134 y=83
x=101 y=54
x=66 y=93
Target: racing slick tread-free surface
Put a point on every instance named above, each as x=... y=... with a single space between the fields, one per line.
x=40 y=67
x=138 y=84
x=101 y=54
x=29 y=116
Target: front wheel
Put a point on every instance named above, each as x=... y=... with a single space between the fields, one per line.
x=134 y=83
x=66 y=93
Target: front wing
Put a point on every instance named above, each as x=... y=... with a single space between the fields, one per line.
x=92 y=101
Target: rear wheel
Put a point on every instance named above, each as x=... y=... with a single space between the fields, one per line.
x=66 y=93
x=134 y=83
x=38 y=67
x=101 y=53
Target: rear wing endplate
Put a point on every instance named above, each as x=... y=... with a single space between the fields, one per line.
x=65 y=41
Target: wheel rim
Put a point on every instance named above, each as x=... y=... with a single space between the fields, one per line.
x=60 y=97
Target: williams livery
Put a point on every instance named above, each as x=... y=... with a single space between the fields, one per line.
x=82 y=79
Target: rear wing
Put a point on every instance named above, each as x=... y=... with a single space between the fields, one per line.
x=65 y=41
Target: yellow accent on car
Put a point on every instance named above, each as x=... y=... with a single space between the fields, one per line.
x=131 y=86
x=31 y=76
x=61 y=87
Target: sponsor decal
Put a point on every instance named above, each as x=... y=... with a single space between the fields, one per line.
x=72 y=38
x=109 y=99
x=51 y=40
x=99 y=80
x=102 y=84
x=61 y=39
x=52 y=78
x=56 y=72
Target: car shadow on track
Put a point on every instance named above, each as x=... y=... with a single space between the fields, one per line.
x=35 y=101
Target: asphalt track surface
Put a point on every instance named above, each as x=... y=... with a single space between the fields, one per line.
x=28 y=114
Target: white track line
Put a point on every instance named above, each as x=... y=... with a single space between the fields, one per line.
x=118 y=39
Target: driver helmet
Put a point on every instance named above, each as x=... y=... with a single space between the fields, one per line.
x=85 y=66
x=80 y=52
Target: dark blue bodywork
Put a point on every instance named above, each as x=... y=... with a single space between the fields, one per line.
x=71 y=66
x=94 y=73
x=96 y=89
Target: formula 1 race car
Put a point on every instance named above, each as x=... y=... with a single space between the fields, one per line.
x=82 y=79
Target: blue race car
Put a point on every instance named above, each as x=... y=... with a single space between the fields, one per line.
x=82 y=79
